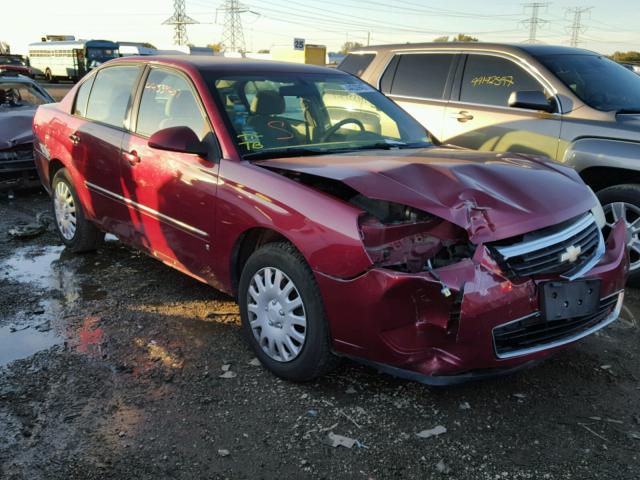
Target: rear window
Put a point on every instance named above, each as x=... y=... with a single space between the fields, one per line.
x=356 y=63
x=422 y=75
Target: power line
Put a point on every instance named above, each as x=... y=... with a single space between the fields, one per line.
x=232 y=33
x=576 y=26
x=179 y=20
x=534 y=21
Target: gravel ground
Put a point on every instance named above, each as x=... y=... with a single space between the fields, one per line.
x=111 y=364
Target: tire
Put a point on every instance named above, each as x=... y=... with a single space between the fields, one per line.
x=49 y=76
x=309 y=358
x=629 y=195
x=76 y=232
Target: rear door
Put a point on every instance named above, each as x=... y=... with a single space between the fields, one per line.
x=420 y=83
x=100 y=111
x=479 y=117
x=170 y=195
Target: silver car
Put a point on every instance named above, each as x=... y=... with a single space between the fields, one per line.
x=573 y=105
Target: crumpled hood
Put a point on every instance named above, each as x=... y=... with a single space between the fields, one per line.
x=492 y=196
x=15 y=126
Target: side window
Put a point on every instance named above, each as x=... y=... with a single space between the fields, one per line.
x=387 y=77
x=80 y=106
x=489 y=80
x=422 y=75
x=168 y=101
x=356 y=63
x=111 y=94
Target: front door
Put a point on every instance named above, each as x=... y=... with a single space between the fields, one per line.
x=170 y=195
x=479 y=117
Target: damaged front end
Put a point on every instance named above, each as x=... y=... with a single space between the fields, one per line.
x=454 y=290
x=17 y=167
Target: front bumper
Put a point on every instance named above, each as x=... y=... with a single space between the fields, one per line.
x=403 y=324
x=18 y=168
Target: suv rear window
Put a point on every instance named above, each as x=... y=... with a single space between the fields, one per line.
x=422 y=75
x=356 y=63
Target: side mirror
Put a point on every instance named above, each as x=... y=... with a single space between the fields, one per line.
x=530 y=99
x=178 y=139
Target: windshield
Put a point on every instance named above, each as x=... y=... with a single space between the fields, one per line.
x=272 y=114
x=20 y=95
x=101 y=54
x=599 y=82
x=11 y=61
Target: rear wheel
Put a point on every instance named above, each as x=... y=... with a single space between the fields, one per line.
x=282 y=314
x=49 y=76
x=623 y=202
x=76 y=232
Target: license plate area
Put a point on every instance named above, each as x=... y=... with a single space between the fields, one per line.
x=560 y=300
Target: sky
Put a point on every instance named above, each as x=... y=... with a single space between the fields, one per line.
x=609 y=26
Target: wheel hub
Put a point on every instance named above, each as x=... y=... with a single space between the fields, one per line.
x=630 y=214
x=276 y=314
x=65 y=211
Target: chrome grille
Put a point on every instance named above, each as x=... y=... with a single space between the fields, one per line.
x=535 y=333
x=569 y=249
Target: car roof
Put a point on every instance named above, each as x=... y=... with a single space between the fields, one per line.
x=532 y=49
x=214 y=63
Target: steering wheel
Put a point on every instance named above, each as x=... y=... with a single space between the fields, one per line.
x=339 y=125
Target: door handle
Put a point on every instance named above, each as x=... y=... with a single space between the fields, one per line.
x=462 y=116
x=131 y=157
x=75 y=139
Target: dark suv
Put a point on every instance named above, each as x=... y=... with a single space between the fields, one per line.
x=573 y=105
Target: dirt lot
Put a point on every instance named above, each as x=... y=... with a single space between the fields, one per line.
x=110 y=367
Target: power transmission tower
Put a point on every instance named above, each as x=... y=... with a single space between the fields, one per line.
x=576 y=26
x=232 y=33
x=179 y=20
x=534 y=21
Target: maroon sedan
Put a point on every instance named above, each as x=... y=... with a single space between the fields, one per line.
x=340 y=225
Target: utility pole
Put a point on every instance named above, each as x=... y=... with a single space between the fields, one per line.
x=576 y=26
x=179 y=20
x=232 y=33
x=534 y=21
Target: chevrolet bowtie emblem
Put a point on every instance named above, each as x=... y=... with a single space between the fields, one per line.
x=571 y=254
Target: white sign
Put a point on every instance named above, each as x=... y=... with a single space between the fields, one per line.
x=298 y=43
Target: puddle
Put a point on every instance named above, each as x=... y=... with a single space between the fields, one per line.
x=49 y=269
x=89 y=337
x=32 y=265
x=18 y=344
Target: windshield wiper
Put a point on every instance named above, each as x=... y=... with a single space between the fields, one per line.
x=629 y=111
x=284 y=152
x=386 y=145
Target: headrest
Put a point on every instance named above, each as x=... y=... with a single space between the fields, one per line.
x=267 y=102
x=182 y=104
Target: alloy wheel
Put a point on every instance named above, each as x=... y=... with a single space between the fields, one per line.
x=65 y=211
x=630 y=214
x=276 y=314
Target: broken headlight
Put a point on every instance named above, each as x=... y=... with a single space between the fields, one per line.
x=406 y=239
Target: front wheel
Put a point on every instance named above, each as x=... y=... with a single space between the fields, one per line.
x=282 y=313
x=76 y=232
x=623 y=202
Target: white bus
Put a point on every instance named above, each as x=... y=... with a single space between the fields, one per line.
x=69 y=59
